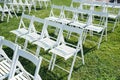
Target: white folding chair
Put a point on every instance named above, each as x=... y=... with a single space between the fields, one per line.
x=113 y=13
x=52 y=15
x=46 y=41
x=67 y=50
x=32 y=34
x=5 y=61
x=23 y=74
x=23 y=27
x=100 y=27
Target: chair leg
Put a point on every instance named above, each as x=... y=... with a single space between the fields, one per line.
x=14 y=12
x=71 y=69
x=29 y=8
x=8 y=18
x=34 y=5
x=2 y=17
x=91 y=33
x=68 y=35
x=116 y=20
x=23 y=7
x=37 y=51
x=100 y=39
x=84 y=35
x=25 y=44
x=56 y=31
x=16 y=39
x=40 y=3
x=54 y=59
x=106 y=33
x=51 y=61
x=18 y=8
x=82 y=55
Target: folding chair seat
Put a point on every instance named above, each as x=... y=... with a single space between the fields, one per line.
x=52 y=15
x=23 y=27
x=46 y=41
x=24 y=74
x=100 y=27
x=5 y=61
x=66 y=49
x=33 y=34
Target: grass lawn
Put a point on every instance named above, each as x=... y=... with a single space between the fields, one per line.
x=100 y=64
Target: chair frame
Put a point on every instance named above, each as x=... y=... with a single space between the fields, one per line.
x=101 y=27
x=62 y=42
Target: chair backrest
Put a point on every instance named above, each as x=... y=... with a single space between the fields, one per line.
x=25 y=21
x=68 y=11
x=51 y=24
x=32 y=25
x=85 y=12
x=8 y=44
x=29 y=56
x=77 y=33
x=101 y=4
x=56 y=7
x=103 y=18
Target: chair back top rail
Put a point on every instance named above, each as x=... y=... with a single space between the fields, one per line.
x=101 y=14
x=66 y=8
x=40 y=20
x=8 y=44
x=73 y=29
x=26 y=16
x=54 y=24
x=56 y=7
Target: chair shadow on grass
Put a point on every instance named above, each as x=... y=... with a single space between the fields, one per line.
x=51 y=75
